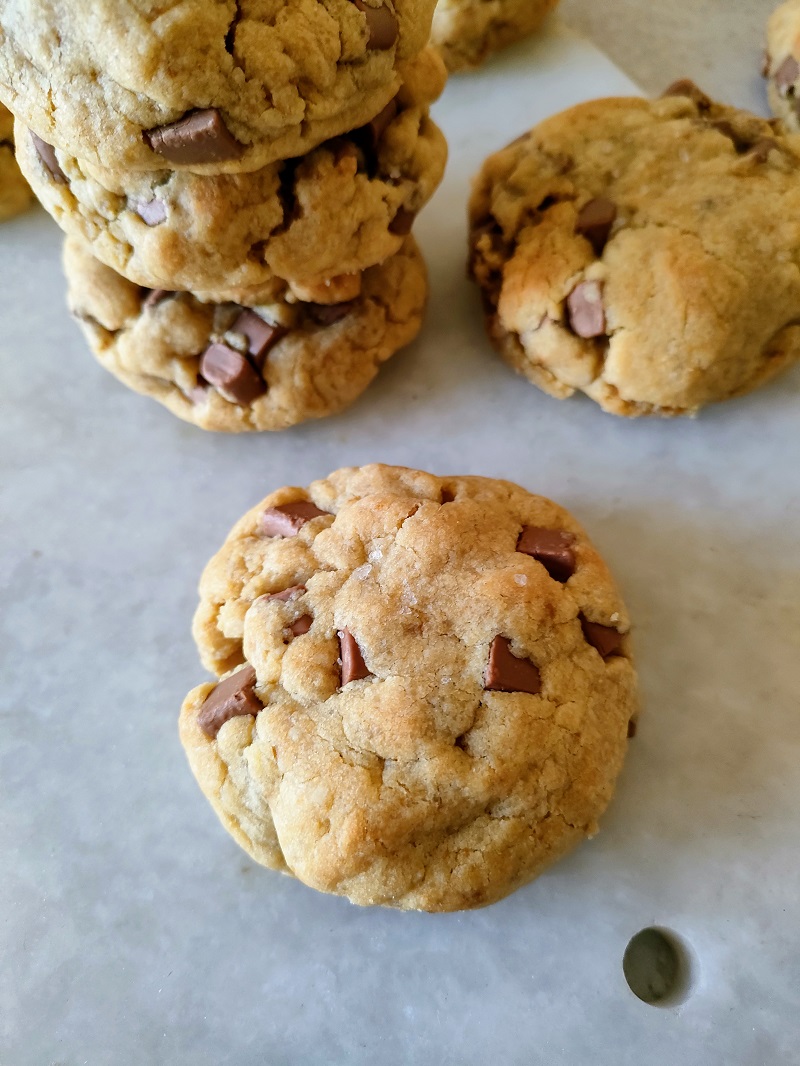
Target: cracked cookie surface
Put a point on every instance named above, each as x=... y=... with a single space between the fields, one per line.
x=344 y=207
x=15 y=193
x=644 y=253
x=232 y=368
x=427 y=686
x=467 y=31
x=257 y=80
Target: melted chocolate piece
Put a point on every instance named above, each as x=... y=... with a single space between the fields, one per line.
x=382 y=24
x=199 y=137
x=604 y=639
x=550 y=547
x=233 y=697
x=585 y=312
x=288 y=519
x=594 y=222
x=260 y=334
x=232 y=374
x=353 y=666
x=507 y=673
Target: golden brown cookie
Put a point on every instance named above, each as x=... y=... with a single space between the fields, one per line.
x=220 y=87
x=232 y=368
x=467 y=31
x=644 y=253
x=15 y=193
x=427 y=687
x=344 y=207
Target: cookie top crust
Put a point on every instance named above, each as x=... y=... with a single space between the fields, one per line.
x=220 y=86
x=643 y=252
x=445 y=674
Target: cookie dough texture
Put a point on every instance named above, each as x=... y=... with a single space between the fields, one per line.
x=414 y=786
x=690 y=296
x=782 y=63
x=93 y=76
x=467 y=31
x=154 y=342
x=339 y=210
x=15 y=193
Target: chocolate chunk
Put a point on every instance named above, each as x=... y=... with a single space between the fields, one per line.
x=786 y=75
x=550 y=547
x=506 y=673
x=595 y=220
x=402 y=223
x=156 y=296
x=301 y=626
x=232 y=374
x=382 y=24
x=353 y=666
x=585 y=312
x=261 y=335
x=632 y=728
x=288 y=519
x=287 y=594
x=761 y=149
x=374 y=130
x=47 y=154
x=329 y=314
x=766 y=63
x=199 y=392
x=686 y=87
x=198 y=137
x=604 y=638
x=151 y=212
x=231 y=698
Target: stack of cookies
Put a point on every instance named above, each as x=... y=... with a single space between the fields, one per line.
x=238 y=184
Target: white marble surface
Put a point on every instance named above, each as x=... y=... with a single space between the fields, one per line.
x=133 y=929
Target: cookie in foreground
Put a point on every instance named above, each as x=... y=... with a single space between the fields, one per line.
x=643 y=253
x=426 y=686
x=237 y=368
x=467 y=31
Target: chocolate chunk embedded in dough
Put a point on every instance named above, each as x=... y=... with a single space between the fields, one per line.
x=507 y=673
x=382 y=24
x=585 y=312
x=155 y=297
x=288 y=519
x=786 y=75
x=260 y=334
x=231 y=698
x=301 y=626
x=686 y=87
x=286 y=594
x=329 y=314
x=353 y=666
x=550 y=547
x=47 y=154
x=402 y=223
x=199 y=137
x=594 y=222
x=604 y=639
x=232 y=374
x=151 y=212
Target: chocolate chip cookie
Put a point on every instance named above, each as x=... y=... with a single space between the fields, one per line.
x=232 y=368
x=467 y=31
x=782 y=63
x=426 y=688
x=644 y=253
x=344 y=207
x=15 y=193
x=214 y=87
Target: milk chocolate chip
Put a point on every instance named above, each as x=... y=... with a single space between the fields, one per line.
x=231 y=698
x=260 y=335
x=594 y=222
x=375 y=129
x=232 y=374
x=686 y=87
x=151 y=212
x=550 y=547
x=301 y=626
x=604 y=638
x=156 y=296
x=353 y=666
x=286 y=594
x=786 y=75
x=47 y=154
x=382 y=25
x=506 y=673
x=402 y=222
x=585 y=311
x=288 y=519
x=329 y=314
x=199 y=137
